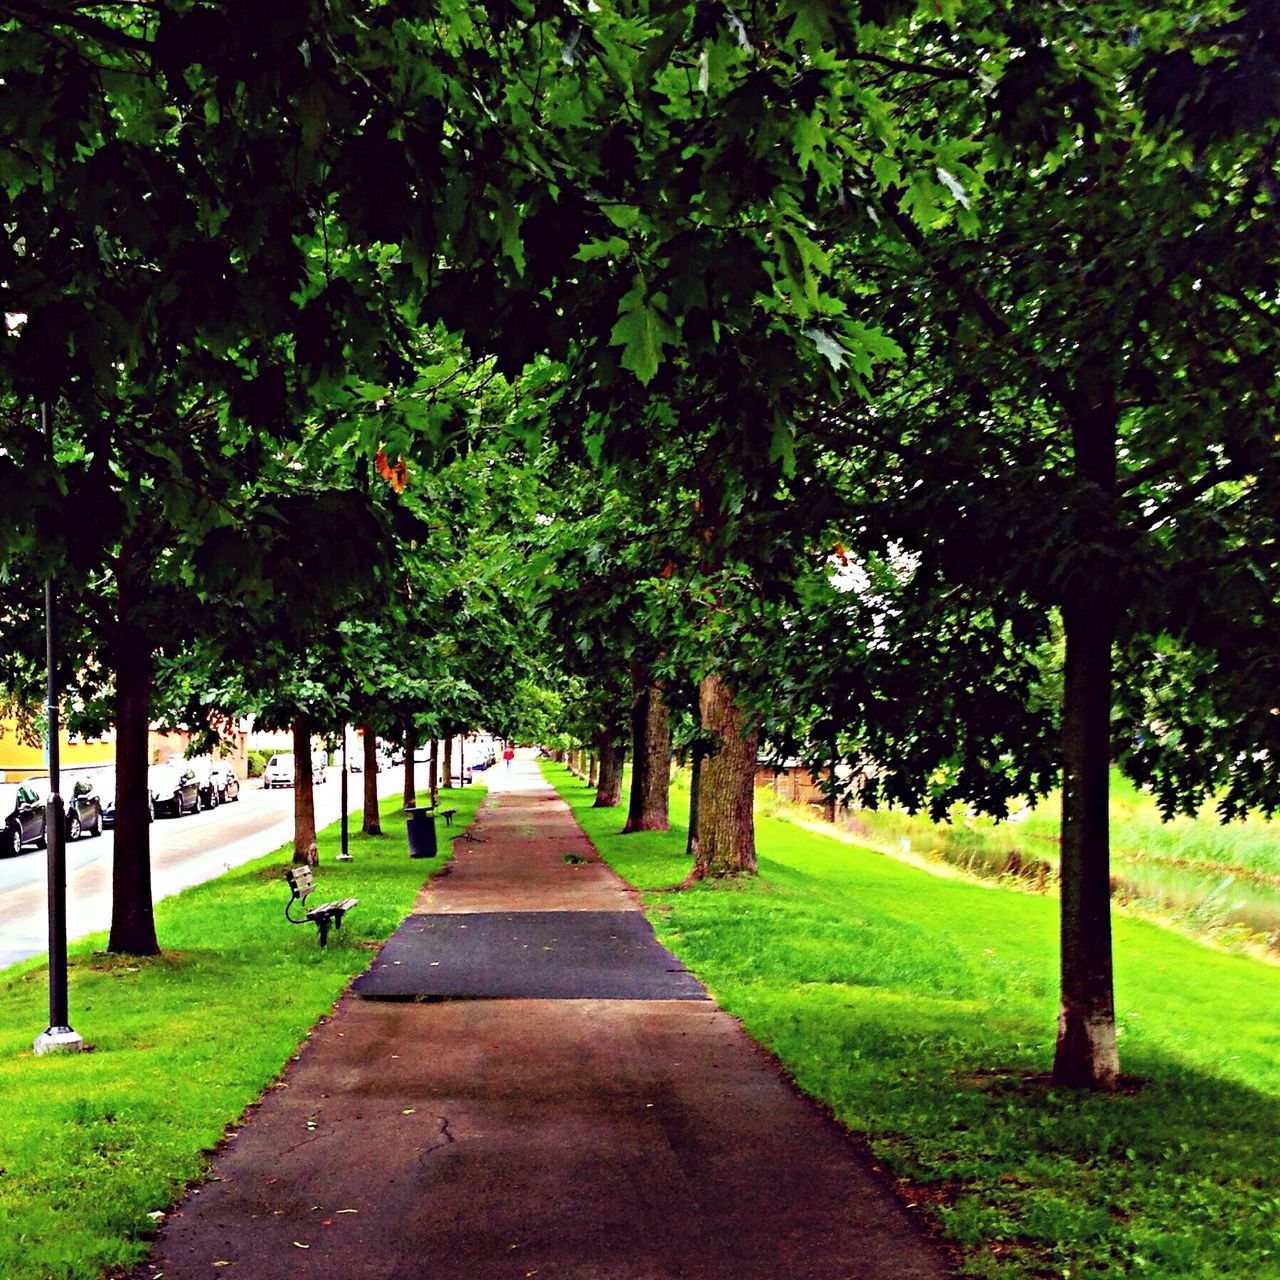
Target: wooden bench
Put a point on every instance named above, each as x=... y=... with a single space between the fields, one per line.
x=447 y=815
x=328 y=913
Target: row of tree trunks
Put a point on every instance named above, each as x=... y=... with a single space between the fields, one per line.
x=722 y=828
x=592 y=763
x=609 y=776
x=650 y=755
x=304 y=799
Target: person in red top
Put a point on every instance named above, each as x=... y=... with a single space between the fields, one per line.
x=508 y=754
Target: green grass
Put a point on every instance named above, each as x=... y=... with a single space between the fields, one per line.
x=1214 y=878
x=919 y=1008
x=93 y=1143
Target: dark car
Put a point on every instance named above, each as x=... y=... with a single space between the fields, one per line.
x=225 y=782
x=174 y=789
x=84 y=809
x=105 y=780
x=23 y=813
x=210 y=793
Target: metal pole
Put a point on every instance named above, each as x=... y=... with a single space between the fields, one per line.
x=58 y=1035
x=344 y=854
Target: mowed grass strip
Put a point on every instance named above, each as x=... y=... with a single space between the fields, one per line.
x=92 y=1144
x=918 y=1008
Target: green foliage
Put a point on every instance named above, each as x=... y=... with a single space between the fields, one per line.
x=183 y=1043
x=919 y=1009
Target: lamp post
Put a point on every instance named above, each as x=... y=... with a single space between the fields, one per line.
x=58 y=1035
x=344 y=854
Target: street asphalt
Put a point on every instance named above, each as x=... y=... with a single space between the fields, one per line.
x=527 y=1084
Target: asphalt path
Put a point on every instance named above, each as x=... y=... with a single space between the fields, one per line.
x=184 y=851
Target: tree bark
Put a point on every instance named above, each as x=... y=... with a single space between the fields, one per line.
x=133 y=925
x=1086 y=1054
x=591 y=768
x=695 y=797
x=371 y=824
x=448 y=760
x=609 y=775
x=304 y=797
x=726 y=840
x=433 y=769
x=410 y=783
x=650 y=756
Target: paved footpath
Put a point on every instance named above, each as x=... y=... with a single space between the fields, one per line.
x=527 y=1084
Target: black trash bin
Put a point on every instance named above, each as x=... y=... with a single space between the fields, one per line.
x=421 y=826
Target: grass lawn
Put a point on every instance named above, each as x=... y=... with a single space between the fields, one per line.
x=917 y=1006
x=92 y=1144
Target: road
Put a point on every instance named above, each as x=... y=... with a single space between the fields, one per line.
x=184 y=851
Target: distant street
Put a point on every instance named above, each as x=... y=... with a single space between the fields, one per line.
x=184 y=851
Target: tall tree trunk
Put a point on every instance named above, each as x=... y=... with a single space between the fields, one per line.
x=410 y=784
x=591 y=768
x=304 y=796
x=133 y=925
x=433 y=769
x=448 y=760
x=371 y=824
x=726 y=839
x=650 y=756
x=1086 y=1054
x=609 y=776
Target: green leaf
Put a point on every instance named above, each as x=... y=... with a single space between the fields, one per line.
x=641 y=331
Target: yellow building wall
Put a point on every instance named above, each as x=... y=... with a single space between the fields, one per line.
x=18 y=761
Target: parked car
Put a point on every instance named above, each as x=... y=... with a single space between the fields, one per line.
x=22 y=813
x=84 y=809
x=105 y=781
x=278 y=771
x=174 y=789
x=226 y=781
x=202 y=767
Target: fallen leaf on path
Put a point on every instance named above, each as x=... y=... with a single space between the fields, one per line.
x=348 y=1211
x=297 y=1244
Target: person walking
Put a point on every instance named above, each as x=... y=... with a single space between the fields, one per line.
x=508 y=754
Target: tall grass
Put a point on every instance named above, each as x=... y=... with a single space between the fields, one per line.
x=1218 y=879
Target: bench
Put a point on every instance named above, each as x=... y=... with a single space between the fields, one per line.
x=447 y=815
x=328 y=913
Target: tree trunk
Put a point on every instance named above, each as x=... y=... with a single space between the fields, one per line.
x=133 y=925
x=650 y=756
x=591 y=768
x=410 y=783
x=371 y=824
x=726 y=839
x=695 y=797
x=448 y=760
x=609 y=777
x=433 y=769
x=304 y=797
x=1086 y=1054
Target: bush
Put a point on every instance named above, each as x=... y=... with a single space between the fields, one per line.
x=256 y=760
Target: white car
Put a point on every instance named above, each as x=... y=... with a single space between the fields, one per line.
x=278 y=771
